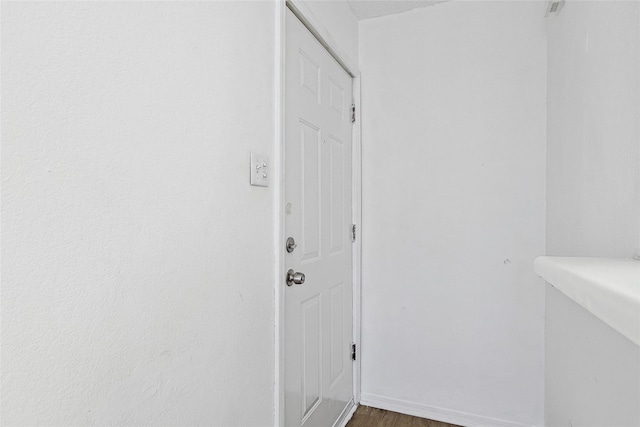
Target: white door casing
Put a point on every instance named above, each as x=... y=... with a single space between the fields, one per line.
x=318 y=315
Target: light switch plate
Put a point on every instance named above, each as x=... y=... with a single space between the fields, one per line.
x=260 y=171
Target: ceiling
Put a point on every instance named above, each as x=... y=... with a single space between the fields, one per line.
x=365 y=9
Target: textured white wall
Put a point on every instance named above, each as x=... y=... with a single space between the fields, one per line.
x=592 y=376
x=453 y=211
x=593 y=157
x=593 y=203
x=137 y=261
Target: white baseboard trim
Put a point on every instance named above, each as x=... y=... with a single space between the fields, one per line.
x=346 y=415
x=433 y=412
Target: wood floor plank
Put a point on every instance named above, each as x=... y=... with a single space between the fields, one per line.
x=385 y=419
x=362 y=417
x=421 y=422
x=404 y=420
x=433 y=423
x=366 y=416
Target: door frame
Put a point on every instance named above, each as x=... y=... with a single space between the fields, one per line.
x=306 y=16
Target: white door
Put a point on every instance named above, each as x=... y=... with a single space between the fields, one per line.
x=319 y=312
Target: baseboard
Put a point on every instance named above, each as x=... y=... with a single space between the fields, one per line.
x=434 y=413
x=346 y=415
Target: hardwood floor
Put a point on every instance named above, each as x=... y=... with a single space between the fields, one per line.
x=366 y=416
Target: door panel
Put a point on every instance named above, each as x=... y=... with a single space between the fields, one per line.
x=338 y=223
x=337 y=334
x=310 y=162
x=319 y=313
x=312 y=351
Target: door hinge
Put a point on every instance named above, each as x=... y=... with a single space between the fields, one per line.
x=353 y=232
x=353 y=352
x=353 y=113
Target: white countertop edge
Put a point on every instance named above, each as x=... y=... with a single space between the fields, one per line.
x=609 y=288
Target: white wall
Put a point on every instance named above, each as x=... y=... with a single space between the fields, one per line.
x=137 y=284
x=592 y=374
x=453 y=211
x=593 y=203
x=593 y=157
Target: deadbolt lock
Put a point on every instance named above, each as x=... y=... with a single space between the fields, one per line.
x=291 y=244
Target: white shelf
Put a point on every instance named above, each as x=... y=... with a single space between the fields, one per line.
x=607 y=287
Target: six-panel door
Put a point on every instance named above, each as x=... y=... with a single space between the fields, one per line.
x=318 y=313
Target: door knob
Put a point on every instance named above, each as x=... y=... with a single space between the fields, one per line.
x=294 y=278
